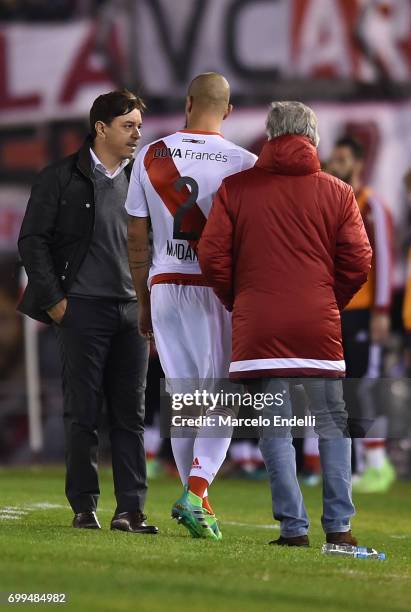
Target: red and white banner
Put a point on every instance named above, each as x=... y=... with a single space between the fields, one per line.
x=55 y=71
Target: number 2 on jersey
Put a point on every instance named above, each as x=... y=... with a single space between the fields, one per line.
x=178 y=234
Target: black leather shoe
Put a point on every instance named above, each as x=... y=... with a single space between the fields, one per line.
x=86 y=520
x=133 y=522
x=293 y=541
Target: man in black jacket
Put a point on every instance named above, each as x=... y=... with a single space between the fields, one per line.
x=73 y=243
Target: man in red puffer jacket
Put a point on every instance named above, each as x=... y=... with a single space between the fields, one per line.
x=285 y=250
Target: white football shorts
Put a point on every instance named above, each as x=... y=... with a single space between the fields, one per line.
x=192 y=331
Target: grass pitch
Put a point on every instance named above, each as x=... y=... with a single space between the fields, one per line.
x=109 y=571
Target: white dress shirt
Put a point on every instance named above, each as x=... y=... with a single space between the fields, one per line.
x=97 y=165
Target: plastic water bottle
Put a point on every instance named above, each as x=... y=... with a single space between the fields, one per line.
x=356 y=552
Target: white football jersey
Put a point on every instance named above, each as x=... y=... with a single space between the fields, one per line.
x=173 y=182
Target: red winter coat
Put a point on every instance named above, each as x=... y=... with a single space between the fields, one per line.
x=285 y=249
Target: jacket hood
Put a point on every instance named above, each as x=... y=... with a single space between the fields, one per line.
x=290 y=155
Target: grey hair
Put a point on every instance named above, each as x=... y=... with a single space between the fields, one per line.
x=292 y=118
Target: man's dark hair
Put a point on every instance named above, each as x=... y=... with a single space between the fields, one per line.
x=351 y=143
x=111 y=105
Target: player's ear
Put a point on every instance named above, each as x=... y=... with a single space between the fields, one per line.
x=228 y=111
x=189 y=104
x=99 y=126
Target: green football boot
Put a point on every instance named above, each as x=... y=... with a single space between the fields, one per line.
x=154 y=469
x=213 y=523
x=375 y=480
x=188 y=511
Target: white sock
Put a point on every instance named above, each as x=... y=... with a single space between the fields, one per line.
x=375 y=457
x=152 y=440
x=209 y=455
x=183 y=450
x=209 y=450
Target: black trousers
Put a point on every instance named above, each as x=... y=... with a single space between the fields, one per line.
x=355 y=327
x=103 y=356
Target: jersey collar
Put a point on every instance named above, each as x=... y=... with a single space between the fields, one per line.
x=204 y=132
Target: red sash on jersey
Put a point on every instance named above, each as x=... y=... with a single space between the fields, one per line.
x=163 y=175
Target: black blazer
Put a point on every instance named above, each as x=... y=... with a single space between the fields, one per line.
x=57 y=230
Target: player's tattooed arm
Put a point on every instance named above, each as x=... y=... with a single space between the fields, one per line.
x=138 y=247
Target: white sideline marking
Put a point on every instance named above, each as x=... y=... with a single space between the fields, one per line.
x=15 y=513
x=271 y=526
x=48 y=506
x=10 y=508
x=44 y=506
x=401 y=537
x=352 y=572
x=11 y=513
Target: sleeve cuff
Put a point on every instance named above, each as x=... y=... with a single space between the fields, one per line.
x=53 y=303
x=137 y=213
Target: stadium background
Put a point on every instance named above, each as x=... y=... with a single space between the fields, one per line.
x=349 y=59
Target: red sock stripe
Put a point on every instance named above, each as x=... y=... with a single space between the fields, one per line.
x=374 y=444
x=197 y=485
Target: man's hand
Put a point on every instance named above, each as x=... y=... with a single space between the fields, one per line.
x=145 y=326
x=379 y=327
x=58 y=311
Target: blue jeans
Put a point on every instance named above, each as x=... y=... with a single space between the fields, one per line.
x=328 y=407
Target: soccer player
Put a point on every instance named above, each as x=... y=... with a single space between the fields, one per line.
x=173 y=183
x=366 y=319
